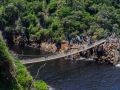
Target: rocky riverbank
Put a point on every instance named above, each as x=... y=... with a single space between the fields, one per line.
x=50 y=47
x=107 y=52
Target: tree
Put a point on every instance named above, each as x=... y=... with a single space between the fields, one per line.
x=18 y=25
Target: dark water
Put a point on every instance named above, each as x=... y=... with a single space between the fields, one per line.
x=64 y=74
x=28 y=52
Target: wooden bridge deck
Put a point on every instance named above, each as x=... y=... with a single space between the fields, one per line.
x=56 y=56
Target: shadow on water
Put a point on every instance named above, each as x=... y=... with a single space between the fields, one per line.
x=74 y=74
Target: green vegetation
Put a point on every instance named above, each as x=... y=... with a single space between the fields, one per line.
x=53 y=18
x=14 y=75
x=40 y=85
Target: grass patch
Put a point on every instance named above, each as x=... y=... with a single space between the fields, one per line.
x=40 y=85
x=25 y=79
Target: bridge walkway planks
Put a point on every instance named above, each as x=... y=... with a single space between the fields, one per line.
x=56 y=56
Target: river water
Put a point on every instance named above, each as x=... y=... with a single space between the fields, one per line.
x=62 y=74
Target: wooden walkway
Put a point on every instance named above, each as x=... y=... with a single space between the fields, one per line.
x=56 y=56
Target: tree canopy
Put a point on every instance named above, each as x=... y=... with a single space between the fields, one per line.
x=55 y=18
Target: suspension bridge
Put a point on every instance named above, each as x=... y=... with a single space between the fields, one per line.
x=56 y=56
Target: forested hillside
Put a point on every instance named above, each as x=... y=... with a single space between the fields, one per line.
x=55 y=18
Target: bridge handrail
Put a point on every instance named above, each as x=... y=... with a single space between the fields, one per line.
x=63 y=54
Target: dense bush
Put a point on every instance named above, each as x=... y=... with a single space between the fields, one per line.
x=55 y=15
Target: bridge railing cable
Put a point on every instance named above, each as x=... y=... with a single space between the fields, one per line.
x=51 y=57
